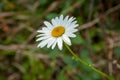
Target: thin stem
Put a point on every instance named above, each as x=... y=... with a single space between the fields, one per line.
x=88 y=65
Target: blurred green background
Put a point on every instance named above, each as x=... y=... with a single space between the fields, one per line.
x=97 y=41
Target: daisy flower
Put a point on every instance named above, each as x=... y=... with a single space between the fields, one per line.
x=59 y=30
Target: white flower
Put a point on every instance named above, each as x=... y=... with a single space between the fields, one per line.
x=58 y=31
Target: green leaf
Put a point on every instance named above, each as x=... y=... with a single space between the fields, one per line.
x=26 y=77
x=51 y=15
x=117 y=51
x=78 y=39
x=53 y=53
x=61 y=75
x=69 y=60
x=2 y=5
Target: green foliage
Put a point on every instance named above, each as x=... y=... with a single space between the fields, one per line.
x=77 y=40
x=61 y=75
x=2 y=4
x=117 y=51
x=51 y=15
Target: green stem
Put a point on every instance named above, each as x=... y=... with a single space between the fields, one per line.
x=89 y=65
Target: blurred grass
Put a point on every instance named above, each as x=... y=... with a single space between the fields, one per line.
x=20 y=59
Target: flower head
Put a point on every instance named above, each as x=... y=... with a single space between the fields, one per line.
x=58 y=31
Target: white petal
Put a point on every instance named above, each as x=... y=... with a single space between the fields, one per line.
x=54 y=23
x=66 y=39
x=53 y=46
x=73 y=25
x=71 y=19
x=72 y=30
x=61 y=20
x=52 y=40
x=65 y=20
x=44 y=30
x=43 y=43
x=71 y=35
x=48 y=25
x=57 y=20
x=41 y=35
x=42 y=38
x=60 y=43
x=38 y=45
x=61 y=17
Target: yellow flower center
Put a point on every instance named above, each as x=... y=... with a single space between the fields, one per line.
x=58 y=31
